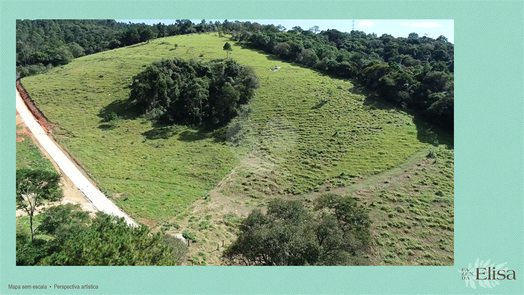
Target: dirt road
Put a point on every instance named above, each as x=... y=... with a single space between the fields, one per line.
x=70 y=191
x=95 y=196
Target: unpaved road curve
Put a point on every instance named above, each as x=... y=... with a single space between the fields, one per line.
x=97 y=198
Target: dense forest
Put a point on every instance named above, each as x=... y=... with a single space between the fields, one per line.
x=415 y=73
x=41 y=44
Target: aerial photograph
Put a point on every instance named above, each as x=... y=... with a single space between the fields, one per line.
x=238 y=142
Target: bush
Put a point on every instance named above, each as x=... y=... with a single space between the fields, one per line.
x=189 y=236
x=178 y=248
x=112 y=117
x=432 y=155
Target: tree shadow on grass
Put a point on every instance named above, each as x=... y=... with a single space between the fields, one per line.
x=107 y=126
x=373 y=101
x=196 y=134
x=165 y=132
x=123 y=109
x=431 y=134
x=137 y=45
x=162 y=130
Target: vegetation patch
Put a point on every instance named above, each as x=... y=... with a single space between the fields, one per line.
x=194 y=92
x=336 y=232
x=72 y=238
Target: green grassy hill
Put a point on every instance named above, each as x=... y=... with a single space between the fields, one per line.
x=306 y=133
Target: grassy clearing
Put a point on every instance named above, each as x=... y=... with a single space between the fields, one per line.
x=28 y=155
x=306 y=133
x=411 y=209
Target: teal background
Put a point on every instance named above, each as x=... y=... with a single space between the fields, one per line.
x=489 y=190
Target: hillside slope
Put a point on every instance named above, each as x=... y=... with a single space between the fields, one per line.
x=306 y=133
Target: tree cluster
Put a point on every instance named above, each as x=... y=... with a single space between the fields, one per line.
x=193 y=92
x=334 y=232
x=71 y=237
x=41 y=44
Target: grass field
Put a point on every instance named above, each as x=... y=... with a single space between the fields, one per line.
x=412 y=211
x=29 y=156
x=307 y=133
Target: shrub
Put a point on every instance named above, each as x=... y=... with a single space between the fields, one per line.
x=189 y=236
x=112 y=117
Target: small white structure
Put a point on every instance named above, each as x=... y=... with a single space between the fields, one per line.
x=181 y=237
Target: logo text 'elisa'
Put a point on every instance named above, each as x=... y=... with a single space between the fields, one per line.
x=486 y=275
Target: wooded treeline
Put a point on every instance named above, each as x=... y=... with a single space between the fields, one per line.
x=41 y=44
x=414 y=72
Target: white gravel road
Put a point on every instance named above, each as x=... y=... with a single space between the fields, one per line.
x=97 y=198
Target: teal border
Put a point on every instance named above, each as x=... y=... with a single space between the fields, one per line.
x=489 y=176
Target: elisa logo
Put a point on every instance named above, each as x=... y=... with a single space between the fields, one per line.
x=486 y=275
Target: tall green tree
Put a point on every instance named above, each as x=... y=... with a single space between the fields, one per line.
x=314 y=29
x=33 y=188
x=227 y=48
x=198 y=94
x=146 y=33
x=413 y=35
x=76 y=49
